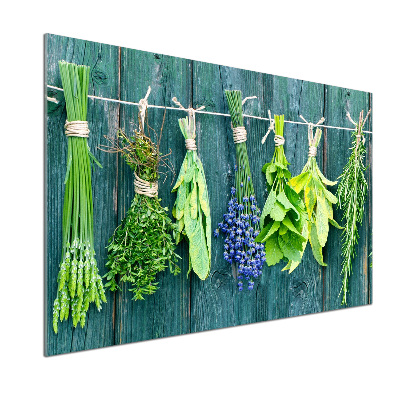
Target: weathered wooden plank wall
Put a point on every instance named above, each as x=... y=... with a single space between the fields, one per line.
x=182 y=304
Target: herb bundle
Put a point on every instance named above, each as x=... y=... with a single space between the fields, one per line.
x=192 y=208
x=283 y=219
x=79 y=283
x=351 y=193
x=241 y=223
x=142 y=244
x=310 y=184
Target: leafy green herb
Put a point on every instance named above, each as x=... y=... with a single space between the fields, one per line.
x=79 y=283
x=142 y=244
x=192 y=208
x=283 y=219
x=310 y=185
x=351 y=193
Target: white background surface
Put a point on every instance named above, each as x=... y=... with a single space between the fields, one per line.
x=351 y=354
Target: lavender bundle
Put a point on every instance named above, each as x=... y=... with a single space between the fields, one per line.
x=241 y=222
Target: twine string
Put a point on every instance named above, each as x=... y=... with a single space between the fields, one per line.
x=239 y=134
x=149 y=189
x=279 y=140
x=190 y=142
x=313 y=139
x=270 y=129
x=248 y=98
x=76 y=129
x=143 y=104
x=359 y=126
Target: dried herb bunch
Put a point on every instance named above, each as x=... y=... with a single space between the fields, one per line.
x=284 y=218
x=79 y=282
x=241 y=223
x=142 y=245
x=351 y=194
x=311 y=184
x=192 y=206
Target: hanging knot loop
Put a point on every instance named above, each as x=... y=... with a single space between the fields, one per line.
x=359 y=127
x=248 y=98
x=279 y=140
x=143 y=104
x=149 y=189
x=270 y=129
x=312 y=151
x=77 y=129
x=239 y=134
x=190 y=144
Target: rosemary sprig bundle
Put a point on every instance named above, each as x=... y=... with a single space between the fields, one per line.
x=310 y=184
x=79 y=283
x=241 y=222
x=192 y=208
x=142 y=245
x=283 y=219
x=351 y=193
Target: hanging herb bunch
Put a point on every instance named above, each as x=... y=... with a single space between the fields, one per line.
x=310 y=184
x=79 y=282
x=351 y=193
x=284 y=227
x=241 y=222
x=192 y=207
x=142 y=245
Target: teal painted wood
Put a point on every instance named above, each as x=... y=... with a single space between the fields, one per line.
x=166 y=312
x=182 y=304
x=337 y=144
x=102 y=118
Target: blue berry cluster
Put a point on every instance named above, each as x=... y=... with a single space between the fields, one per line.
x=241 y=227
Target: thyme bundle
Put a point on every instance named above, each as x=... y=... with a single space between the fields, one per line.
x=283 y=219
x=241 y=222
x=192 y=208
x=351 y=193
x=79 y=283
x=310 y=184
x=141 y=245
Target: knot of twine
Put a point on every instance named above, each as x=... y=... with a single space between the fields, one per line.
x=190 y=144
x=312 y=151
x=359 y=126
x=279 y=140
x=239 y=134
x=143 y=104
x=77 y=129
x=149 y=189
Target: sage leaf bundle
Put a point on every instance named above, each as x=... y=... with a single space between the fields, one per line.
x=241 y=223
x=192 y=208
x=284 y=226
x=79 y=282
x=310 y=184
x=142 y=245
x=351 y=193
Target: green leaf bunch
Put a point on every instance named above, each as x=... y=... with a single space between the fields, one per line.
x=192 y=207
x=352 y=193
x=283 y=218
x=79 y=282
x=311 y=186
x=142 y=245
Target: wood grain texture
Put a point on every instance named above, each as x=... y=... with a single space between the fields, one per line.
x=186 y=304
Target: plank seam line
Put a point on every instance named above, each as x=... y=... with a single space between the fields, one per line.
x=201 y=111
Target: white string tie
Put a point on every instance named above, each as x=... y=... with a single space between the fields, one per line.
x=143 y=104
x=190 y=144
x=77 y=129
x=239 y=134
x=248 y=98
x=279 y=140
x=312 y=151
x=149 y=189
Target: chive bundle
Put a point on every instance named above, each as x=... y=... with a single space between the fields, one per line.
x=79 y=282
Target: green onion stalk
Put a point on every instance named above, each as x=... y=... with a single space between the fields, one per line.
x=79 y=282
x=351 y=194
x=241 y=223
